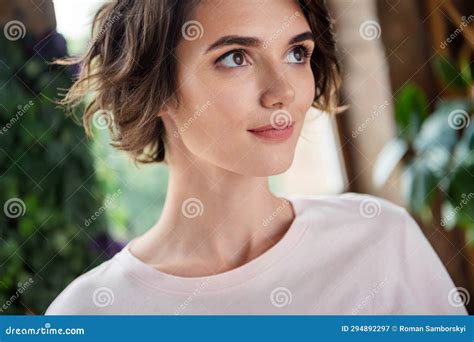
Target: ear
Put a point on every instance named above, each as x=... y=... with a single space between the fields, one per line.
x=169 y=108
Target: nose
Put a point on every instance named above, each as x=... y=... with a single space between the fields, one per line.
x=277 y=92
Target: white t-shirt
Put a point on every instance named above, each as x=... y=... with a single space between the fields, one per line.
x=343 y=254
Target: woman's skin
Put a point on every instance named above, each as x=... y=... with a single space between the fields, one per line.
x=214 y=158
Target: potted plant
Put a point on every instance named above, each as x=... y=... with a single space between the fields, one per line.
x=436 y=151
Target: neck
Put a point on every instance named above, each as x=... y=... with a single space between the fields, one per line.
x=216 y=216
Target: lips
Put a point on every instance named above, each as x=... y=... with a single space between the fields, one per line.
x=271 y=133
x=269 y=127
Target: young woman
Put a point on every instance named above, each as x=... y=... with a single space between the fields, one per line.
x=219 y=90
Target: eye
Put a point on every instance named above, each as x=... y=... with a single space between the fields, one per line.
x=300 y=54
x=232 y=59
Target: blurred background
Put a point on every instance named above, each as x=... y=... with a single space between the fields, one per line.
x=69 y=202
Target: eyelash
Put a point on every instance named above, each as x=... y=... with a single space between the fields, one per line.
x=306 y=53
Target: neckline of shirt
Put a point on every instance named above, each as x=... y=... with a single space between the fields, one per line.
x=156 y=279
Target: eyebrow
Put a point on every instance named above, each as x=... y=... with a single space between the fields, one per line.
x=253 y=41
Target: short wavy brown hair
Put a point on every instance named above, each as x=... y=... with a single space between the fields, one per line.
x=130 y=68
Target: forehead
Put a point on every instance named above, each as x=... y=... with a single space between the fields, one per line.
x=265 y=19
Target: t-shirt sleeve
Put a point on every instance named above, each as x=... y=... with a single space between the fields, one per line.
x=431 y=289
x=71 y=301
x=78 y=297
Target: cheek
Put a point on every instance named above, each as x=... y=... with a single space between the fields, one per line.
x=205 y=121
x=229 y=104
x=305 y=89
x=232 y=107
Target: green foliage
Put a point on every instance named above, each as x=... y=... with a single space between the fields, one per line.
x=451 y=74
x=437 y=148
x=46 y=167
x=410 y=111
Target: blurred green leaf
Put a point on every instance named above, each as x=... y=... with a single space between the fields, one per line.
x=461 y=190
x=26 y=227
x=466 y=71
x=435 y=132
x=419 y=184
x=465 y=146
x=449 y=73
x=411 y=109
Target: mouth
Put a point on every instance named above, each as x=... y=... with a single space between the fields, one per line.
x=272 y=133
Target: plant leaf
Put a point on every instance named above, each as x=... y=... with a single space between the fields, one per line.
x=448 y=72
x=411 y=109
x=419 y=184
x=461 y=189
x=438 y=129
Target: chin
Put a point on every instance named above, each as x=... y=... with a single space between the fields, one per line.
x=272 y=166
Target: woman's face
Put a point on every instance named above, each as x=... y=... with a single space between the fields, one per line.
x=263 y=77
